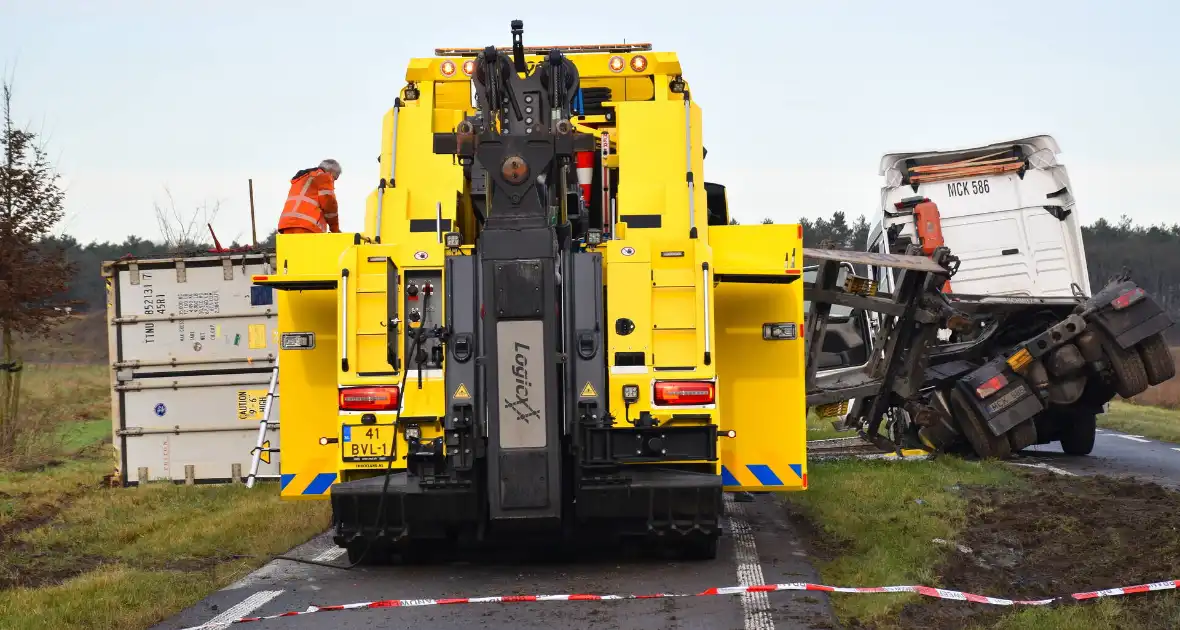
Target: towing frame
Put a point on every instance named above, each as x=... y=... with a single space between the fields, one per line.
x=989 y=385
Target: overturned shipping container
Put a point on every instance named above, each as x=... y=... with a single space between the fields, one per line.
x=193 y=348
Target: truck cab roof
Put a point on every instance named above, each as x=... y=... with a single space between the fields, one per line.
x=1031 y=145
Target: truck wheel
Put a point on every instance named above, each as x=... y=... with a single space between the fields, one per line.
x=1157 y=359
x=976 y=431
x=1077 y=432
x=1129 y=374
x=1048 y=427
x=1022 y=435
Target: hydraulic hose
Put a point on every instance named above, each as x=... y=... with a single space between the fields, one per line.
x=418 y=338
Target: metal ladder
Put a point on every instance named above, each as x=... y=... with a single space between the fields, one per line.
x=263 y=446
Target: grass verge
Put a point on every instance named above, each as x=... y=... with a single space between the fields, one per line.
x=883 y=516
x=76 y=554
x=821 y=429
x=1028 y=535
x=1150 y=422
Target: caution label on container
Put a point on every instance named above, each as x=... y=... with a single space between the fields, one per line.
x=257 y=334
x=251 y=404
x=588 y=391
x=461 y=392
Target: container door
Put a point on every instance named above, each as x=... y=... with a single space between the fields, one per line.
x=195 y=348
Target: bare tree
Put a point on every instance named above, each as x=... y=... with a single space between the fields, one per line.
x=33 y=274
x=181 y=232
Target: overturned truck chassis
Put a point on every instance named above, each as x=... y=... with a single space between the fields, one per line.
x=1016 y=371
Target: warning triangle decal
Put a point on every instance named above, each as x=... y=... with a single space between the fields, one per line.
x=265 y=454
x=461 y=391
x=588 y=391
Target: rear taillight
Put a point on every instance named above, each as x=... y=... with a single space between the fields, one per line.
x=991 y=386
x=1127 y=299
x=368 y=399
x=685 y=392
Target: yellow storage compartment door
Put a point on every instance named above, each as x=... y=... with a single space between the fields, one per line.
x=760 y=356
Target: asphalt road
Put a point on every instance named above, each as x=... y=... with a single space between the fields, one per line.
x=1115 y=454
x=760 y=546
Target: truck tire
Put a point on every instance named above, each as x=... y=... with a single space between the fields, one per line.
x=1130 y=377
x=1077 y=432
x=1022 y=435
x=1157 y=359
x=976 y=431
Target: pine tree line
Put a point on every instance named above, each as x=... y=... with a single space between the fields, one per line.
x=1150 y=252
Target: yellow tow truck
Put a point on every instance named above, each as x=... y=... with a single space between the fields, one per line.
x=548 y=329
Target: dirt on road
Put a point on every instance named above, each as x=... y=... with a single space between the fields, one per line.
x=1068 y=535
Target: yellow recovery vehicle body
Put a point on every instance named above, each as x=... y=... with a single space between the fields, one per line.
x=548 y=325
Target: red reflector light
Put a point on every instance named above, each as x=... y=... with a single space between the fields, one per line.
x=1127 y=299
x=368 y=399
x=991 y=386
x=257 y=278
x=685 y=392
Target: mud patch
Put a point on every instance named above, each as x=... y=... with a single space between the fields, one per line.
x=21 y=565
x=1062 y=536
x=28 y=569
x=30 y=519
x=38 y=466
x=25 y=522
x=187 y=565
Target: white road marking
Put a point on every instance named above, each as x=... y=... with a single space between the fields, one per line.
x=282 y=570
x=247 y=606
x=1175 y=449
x=1052 y=469
x=330 y=554
x=1134 y=438
x=756 y=606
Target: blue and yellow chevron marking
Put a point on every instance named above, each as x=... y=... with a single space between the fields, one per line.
x=761 y=475
x=311 y=484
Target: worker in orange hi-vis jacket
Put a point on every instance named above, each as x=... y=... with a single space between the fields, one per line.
x=311 y=203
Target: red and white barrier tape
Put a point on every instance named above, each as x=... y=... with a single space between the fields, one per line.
x=938 y=593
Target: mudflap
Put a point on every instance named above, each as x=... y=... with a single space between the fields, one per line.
x=1010 y=399
x=663 y=506
x=1140 y=319
x=408 y=512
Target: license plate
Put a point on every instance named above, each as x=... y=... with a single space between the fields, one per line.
x=367 y=442
x=1007 y=400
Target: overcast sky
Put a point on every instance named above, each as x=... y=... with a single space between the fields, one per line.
x=800 y=99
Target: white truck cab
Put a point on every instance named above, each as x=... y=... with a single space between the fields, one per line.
x=1005 y=209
